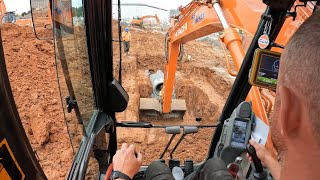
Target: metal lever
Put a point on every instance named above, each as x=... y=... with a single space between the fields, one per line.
x=259 y=171
x=256 y=161
x=174 y=130
x=186 y=130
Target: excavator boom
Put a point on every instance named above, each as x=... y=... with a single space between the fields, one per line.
x=196 y=20
x=151 y=16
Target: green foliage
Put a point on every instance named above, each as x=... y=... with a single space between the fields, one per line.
x=77 y=12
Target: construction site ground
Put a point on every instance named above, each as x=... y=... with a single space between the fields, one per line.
x=202 y=80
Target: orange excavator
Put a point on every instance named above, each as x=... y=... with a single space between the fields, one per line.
x=139 y=21
x=10 y=17
x=201 y=18
x=6 y=17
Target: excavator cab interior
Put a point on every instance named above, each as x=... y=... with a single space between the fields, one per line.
x=92 y=88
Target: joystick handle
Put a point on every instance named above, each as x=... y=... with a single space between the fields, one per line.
x=256 y=161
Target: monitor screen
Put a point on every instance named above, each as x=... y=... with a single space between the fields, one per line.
x=239 y=134
x=268 y=69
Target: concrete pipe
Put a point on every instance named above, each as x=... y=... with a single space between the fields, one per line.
x=157 y=80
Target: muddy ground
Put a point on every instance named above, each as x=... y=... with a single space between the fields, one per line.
x=201 y=79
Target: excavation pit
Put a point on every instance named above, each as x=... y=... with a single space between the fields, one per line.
x=202 y=83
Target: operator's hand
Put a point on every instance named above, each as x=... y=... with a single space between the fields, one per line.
x=266 y=159
x=127 y=160
x=261 y=152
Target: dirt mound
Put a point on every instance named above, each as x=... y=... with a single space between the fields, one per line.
x=42 y=24
x=196 y=99
x=31 y=69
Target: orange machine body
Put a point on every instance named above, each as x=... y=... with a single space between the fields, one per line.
x=290 y=26
x=3 y=8
x=199 y=19
x=139 y=21
x=63 y=12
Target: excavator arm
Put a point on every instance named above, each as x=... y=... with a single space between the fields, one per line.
x=202 y=19
x=139 y=21
x=150 y=16
x=199 y=19
x=157 y=19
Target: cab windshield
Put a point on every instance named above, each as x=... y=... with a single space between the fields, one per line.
x=201 y=80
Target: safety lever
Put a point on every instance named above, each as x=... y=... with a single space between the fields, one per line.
x=186 y=130
x=174 y=130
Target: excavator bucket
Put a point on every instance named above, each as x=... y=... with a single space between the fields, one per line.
x=151 y=108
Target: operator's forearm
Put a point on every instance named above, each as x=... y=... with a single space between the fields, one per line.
x=274 y=167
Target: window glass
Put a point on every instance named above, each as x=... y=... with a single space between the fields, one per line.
x=73 y=66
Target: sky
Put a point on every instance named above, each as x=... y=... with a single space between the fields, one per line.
x=21 y=6
x=166 y=4
x=127 y=12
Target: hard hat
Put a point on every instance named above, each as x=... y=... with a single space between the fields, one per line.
x=126 y=29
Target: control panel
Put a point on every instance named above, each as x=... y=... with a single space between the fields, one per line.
x=236 y=133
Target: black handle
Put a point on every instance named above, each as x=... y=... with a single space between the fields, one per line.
x=256 y=161
x=134 y=124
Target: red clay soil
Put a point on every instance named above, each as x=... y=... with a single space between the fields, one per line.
x=201 y=80
x=31 y=68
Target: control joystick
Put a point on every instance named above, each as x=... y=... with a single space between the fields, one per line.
x=259 y=172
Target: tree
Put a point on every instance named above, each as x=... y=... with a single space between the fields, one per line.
x=77 y=12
